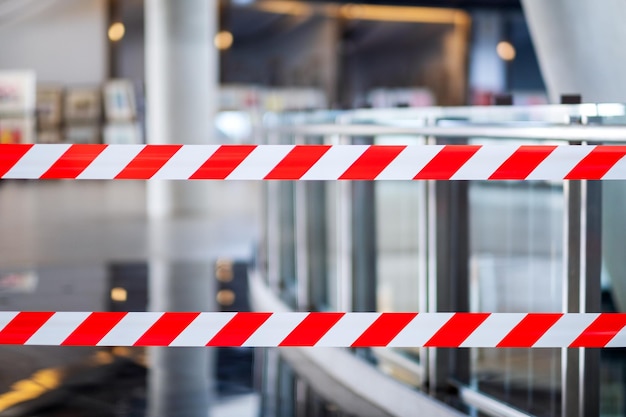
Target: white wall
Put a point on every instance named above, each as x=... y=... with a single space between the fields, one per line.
x=64 y=41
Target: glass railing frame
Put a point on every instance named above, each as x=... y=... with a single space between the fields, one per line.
x=563 y=122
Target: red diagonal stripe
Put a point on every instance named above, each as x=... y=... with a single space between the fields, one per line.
x=530 y=329
x=447 y=162
x=148 y=162
x=166 y=329
x=73 y=161
x=384 y=329
x=457 y=329
x=597 y=163
x=297 y=162
x=10 y=155
x=93 y=329
x=223 y=162
x=311 y=329
x=22 y=327
x=372 y=162
x=601 y=331
x=239 y=329
x=523 y=161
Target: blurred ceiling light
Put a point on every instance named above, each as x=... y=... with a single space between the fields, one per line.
x=223 y=40
x=405 y=14
x=506 y=51
x=368 y=12
x=294 y=8
x=116 y=31
x=351 y=11
x=119 y=294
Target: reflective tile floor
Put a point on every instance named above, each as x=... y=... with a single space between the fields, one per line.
x=59 y=243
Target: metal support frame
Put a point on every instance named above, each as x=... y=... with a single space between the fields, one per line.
x=448 y=273
x=316 y=242
x=301 y=238
x=364 y=258
x=581 y=285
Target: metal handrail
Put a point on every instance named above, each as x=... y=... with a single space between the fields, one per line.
x=557 y=132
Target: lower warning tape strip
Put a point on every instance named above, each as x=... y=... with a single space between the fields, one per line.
x=521 y=330
x=313 y=162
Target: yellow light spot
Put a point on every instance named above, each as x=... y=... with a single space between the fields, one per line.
x=102 y=357
x=116 y=31
x=225 y=297
x=506 y=51
x=119 y=294
x=122 y=351
x=27 y=389
x=223 y=40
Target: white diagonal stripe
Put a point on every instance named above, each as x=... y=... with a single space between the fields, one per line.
x=202 y=329
x=493 y=330
x=335 y=162
x=409 y=162
x=617 y=172
x=260 y=162
x=184 y=163
x=347 y=329
x=619 y=340
x=110 y=162
x=566 y=330
x=57 y=328
x=560 y=162
x=37 y=161
x=6 y=317
x=129 y=329
x=420 y=330
x=484 y=162
x=275 y=329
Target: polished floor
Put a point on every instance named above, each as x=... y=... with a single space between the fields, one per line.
x=58 y=240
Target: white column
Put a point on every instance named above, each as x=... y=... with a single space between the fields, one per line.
x=181 y=99
x=580 y=47
x=181 y=91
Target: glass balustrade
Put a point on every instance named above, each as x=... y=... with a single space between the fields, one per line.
x=368 y=246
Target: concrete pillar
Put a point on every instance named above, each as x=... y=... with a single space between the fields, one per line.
x=580 y=47
x=181 y=99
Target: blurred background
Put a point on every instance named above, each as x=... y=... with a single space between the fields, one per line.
x=286 y=72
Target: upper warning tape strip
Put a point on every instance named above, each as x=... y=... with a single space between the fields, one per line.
x=313 y=162
x=328 y=329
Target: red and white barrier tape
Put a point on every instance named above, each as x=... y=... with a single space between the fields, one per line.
x=313 y=162
x=314 y=329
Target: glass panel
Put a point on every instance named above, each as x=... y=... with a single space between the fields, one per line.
x=516 y=265
x=400 y=251
x=613 y=361
x=400 y=232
